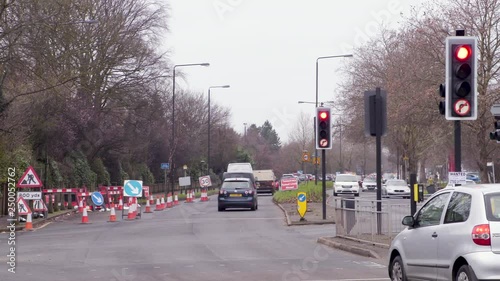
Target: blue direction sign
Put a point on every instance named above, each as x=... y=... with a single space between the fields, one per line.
x=165 y=166
x=302 y=204
x=301 y=197
x=97 y=198
x=132 y=188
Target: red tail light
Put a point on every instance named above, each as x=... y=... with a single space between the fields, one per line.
x=248 y=191
x=222 y=191
x=481 y=235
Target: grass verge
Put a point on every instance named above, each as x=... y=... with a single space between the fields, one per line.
x=313 y=192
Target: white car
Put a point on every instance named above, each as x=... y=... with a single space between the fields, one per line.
x=346 y=184
x=369 y=184
x=395 y=187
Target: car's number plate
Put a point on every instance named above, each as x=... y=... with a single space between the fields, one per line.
x=234 y=195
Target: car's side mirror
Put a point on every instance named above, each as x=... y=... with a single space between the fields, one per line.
x=408 y=221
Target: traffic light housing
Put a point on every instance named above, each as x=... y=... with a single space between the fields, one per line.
x=323 y=128
x=461 y=78
x=496 y=134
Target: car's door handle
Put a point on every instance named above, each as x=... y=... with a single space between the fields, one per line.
x=434 y=235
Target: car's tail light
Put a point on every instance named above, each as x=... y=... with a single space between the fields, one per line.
x=250 y=192
x=481 y=235
x=222 y=191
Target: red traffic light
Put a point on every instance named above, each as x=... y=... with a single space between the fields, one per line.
x=323 y=115
x=463 y=52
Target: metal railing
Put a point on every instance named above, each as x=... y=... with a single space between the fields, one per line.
x=357 y=218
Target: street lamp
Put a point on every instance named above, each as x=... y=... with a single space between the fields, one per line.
x=173 y=119
x=323 y=151
x=208 y=155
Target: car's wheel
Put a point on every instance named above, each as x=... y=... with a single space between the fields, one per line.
x=465 y=273
x=221 y=209
x=397 y=270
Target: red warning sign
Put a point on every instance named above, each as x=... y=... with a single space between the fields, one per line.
x=462 y=107
x=29 y=179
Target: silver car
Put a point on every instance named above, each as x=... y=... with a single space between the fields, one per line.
x=455 y=236
x=395 y=187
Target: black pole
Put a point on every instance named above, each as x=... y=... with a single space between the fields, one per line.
x=172 y=165
x=208 y=151
x=458 y=129
x=323 y=167
x=315 y=161
x=378 y=137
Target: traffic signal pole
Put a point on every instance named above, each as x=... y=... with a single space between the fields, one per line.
x=458 y=128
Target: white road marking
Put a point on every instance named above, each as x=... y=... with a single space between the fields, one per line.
x=364 y=279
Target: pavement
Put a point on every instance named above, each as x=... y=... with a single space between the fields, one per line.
x=314 y=216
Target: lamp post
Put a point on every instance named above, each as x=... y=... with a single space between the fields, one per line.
x=208 y=150
x=172 y=166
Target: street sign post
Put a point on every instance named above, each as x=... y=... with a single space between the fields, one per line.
x=132 y=188
x=185 y=181
x=165 y=166
x=302 y=204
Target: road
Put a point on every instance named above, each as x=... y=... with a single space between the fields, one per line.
x=188 y=242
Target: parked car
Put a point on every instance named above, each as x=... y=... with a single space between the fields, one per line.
x=455 y=235
x=394 y=187
x=346 y=184
x=369 y=184
x=237 y=193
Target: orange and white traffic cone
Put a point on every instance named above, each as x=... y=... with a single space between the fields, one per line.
x=131 y=212
x=176 y=199
x=112 y=215
x=80 y=206
x=85 y=216
x=158 y=205
x=204 y=195
x=151 y=200
x=29 y=222
x=169 y=200
x=148 y=207
x=162 y=202
x=120 y=204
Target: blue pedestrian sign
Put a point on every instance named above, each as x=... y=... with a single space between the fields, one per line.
x=97 y=198
x=165 y=166
x=132 y=188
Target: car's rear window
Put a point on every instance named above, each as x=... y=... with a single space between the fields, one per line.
x=396 y=182
x=235 y=184
x=493 y=206
x=347 y=178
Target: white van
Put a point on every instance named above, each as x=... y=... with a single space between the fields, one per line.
x=239 y=167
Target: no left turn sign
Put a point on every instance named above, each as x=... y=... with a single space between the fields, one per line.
x=462 y=107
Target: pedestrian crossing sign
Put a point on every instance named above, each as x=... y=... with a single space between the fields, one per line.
x=29 y=179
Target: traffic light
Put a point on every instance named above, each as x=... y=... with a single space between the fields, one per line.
x=442 y=104
x=323 y=128
x=461 y=78
x=496 y=134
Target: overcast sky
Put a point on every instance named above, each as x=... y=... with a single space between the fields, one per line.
x=267 y=50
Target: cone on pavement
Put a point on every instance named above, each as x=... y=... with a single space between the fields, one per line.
x=80 y=206
x=29 y=222
x=151 y=200
x=162 y=202
x=131 y=212
x=176 y=199
x=148 y=207
x=188 y=196
x=85 y=216
x=112 y=215
x=158 y=205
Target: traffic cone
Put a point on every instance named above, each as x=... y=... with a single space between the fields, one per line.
x=188 y=195
x=120 y=204
x=176 y=199
x=148 y=207
x=162 y=202
x=80 y=206
x=151 y=200
x=204 y=196
x=158 y=205
x=29 y=222
x=112 y=216
x=85 y=216
x=169 y=200
x=131 y=212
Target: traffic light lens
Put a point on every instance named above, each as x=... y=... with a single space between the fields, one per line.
x=323 y=115
x=322 y=125
x=463 y=71
x=463 y=89
x=463 y=52
x=322 y=134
